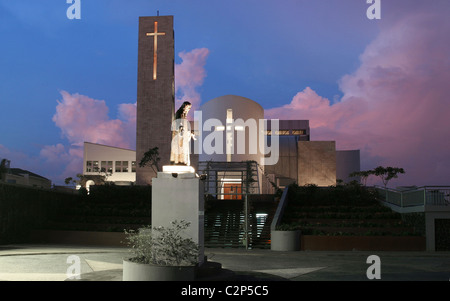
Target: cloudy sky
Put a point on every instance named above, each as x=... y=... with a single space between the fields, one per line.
x=381 y=85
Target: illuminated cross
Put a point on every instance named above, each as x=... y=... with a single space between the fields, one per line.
x=155 y=47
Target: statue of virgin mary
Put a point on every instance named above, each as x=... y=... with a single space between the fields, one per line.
x=181 y=137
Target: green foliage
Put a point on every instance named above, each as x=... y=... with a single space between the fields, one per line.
x=107 y=208
x=115 y=194
x=416 y=220
x=385 y=173
x=163 y=245
x=348 y=194
x=288 y=227
x=3 y=169
x=151 y=157
x=363 y=175
x=348 y=209
x=25 y=208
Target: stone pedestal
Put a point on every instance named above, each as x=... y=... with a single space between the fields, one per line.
x=177 y=194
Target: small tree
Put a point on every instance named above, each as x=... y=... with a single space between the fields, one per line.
x=387 y=173
x=165 y=246
x=151 y=157
x=82 y=179
x=69 y=181
x=363 y=175
x=3 y=169
x=73 y=181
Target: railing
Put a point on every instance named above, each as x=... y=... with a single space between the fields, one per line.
x=280 y=210
x=419 y=196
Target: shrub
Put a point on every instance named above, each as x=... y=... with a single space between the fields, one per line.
x=163 y=245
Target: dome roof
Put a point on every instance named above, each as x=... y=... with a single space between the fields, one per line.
x=232 y=100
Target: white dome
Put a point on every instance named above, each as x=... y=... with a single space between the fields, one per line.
x=245 y=117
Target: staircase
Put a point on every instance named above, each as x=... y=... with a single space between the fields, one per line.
x=225 y=223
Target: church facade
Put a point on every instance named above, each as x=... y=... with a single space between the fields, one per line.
x=229 y=131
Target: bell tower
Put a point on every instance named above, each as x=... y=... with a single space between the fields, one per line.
x=155 y=92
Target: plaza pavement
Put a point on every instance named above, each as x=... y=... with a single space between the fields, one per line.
x=56 y=263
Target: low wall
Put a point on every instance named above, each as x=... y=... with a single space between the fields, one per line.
x=362 y=243
x=87 y=238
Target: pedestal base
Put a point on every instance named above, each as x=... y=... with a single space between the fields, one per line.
x=177 y=194
x=178 y=169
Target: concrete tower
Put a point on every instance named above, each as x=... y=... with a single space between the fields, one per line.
x=155 y=91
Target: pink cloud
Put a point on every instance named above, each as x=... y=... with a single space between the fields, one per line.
x=127 y=114
x=54 y=162
x=189 y=75
x=61 y=162
x=17 y=157
x=395 y=105
x=82 y=118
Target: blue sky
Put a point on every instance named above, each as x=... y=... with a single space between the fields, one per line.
x=268 y=51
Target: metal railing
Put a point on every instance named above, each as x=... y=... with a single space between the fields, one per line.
x=418 y=196
x=280 y=210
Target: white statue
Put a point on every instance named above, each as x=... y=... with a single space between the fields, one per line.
x=181 y=138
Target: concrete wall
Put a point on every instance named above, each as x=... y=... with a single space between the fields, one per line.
x=317 y=163
x=347 y=161
x=432 y=213
x=287 y=165
x=98 y=152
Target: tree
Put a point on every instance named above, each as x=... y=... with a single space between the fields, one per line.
x=387 y=173
x=99 y=179
x=151 y=157
x=3 y=169
x=364 y=174
x=73 y=181
x=69 y=181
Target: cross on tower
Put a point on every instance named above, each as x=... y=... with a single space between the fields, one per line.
x=155 y=47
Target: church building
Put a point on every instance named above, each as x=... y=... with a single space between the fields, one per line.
x=234 y=146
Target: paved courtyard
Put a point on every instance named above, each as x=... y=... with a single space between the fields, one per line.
x=58 y=263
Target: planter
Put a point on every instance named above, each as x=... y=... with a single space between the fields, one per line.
x=148 y=272
x=285 y=240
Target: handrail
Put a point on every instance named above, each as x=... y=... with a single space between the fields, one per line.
x=280 y=210
x=418 y=196
x=416 y=187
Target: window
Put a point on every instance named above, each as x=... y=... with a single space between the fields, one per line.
x=133 y=166
x=298 y=132
x=95 y=166
x=121 y=166
x=282 y=132
x=92 y=166
x=107 y=166
x=125 y=166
